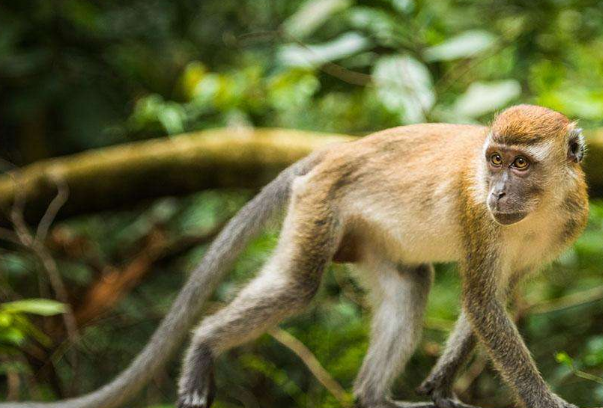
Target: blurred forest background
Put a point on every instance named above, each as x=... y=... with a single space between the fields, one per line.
x=83 y=74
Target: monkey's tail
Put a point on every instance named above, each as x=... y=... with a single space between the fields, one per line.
x=220 y=257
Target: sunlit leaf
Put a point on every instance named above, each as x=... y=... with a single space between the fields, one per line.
x=12 y=336
x=467 y=44
x=311 y=15
x=42 y=307
x=404 y=85
x=564 y=358
x=6 y=320
x=484 y=97
x=308 y=56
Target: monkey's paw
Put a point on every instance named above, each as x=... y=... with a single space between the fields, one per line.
x=194 y=400
x=199 y=396
x=442 y=396
x=387 y=403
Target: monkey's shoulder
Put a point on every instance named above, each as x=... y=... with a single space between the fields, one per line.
x=418 y=140
x=405 y=150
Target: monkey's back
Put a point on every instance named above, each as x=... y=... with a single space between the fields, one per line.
x=398 y=181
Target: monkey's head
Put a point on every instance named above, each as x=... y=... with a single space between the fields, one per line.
x=531 y=155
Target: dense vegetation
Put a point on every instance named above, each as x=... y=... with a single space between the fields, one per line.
x=81 y=74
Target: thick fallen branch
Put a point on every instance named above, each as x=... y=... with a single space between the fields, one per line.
x=110 y=178
x=106 y=179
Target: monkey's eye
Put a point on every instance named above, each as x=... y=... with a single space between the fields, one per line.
x=496 y=159
x=521 y=163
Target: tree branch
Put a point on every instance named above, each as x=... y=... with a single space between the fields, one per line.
x=109 y=178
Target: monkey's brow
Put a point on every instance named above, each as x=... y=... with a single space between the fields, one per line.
x=534 y=152
x=517 y=139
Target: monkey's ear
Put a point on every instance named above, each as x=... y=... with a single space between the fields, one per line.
x=576 y=145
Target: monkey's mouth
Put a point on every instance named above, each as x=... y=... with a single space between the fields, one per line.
x=505 y=218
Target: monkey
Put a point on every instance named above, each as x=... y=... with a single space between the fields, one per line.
x=501 y=201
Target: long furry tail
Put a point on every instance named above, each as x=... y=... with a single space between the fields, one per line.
x=219 y=259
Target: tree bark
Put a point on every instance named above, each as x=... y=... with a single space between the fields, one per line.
x=114 y=177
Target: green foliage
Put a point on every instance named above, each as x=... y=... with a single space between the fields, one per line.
x=16 y=328
x=79 y=74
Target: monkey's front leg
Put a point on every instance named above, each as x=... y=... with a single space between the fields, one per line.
x=499 y=335
x=459 y=347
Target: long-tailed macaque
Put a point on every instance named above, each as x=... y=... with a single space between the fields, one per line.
x=500 y=200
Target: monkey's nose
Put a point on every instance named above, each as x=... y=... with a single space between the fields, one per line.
x=499 y=194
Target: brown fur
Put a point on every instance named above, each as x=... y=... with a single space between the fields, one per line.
x=528 y=124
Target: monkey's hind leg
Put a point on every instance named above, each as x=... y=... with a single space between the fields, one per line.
x=284 y=287
x=399 y=296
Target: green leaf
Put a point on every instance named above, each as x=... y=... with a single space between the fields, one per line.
x=292 y=88
x=311 y=15
x=6 y=319
x=42 y=307
x=465 y=45
x=484 y=97
x=563 y=358
x=12 y=336
x=28 y=329
x=404 y=85
x=309 y=56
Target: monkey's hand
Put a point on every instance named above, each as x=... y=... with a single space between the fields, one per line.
x=197 y=392
x=441 y=394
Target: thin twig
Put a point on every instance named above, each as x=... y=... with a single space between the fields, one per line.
x=567 y=302
x=13 y=382
x=308 y=358
x=51 y=212
x=36 y=245
x=335 y=70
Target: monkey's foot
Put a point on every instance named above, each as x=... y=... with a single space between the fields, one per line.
x=404 y=404
x=442 y=396
x=395 y=404
x=197 y=387
x=451 y=403
x=194 y=400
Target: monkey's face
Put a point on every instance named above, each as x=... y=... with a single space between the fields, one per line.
x=514 y=183
x=531 y=152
